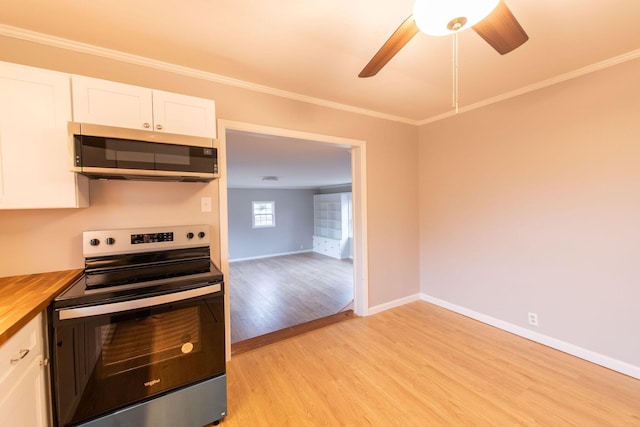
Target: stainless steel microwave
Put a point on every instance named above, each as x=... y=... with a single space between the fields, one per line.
x=105 y=152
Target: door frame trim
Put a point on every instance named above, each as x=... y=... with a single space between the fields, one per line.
x=359 y=203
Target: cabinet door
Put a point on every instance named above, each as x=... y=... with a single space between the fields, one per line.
x=35 y=158
x=184 y=115
x=103 y=102
x=23 y=389
x=23 y=401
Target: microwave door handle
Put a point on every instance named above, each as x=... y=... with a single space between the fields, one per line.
x=117 y=307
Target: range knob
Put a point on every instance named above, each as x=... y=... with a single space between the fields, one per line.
x=110 y=241
x=94 y=242
x=201 y=234
x=189 y=235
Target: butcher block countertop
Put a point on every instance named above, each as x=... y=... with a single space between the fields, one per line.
x=23 y=297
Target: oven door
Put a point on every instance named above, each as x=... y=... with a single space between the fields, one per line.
x=110 y=356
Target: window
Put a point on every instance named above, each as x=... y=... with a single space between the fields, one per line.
x=264 y=214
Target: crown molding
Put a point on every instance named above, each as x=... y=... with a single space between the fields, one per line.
x=62 y=43
x=32 y=36
x=629 y=56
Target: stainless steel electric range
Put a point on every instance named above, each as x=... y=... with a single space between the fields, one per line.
x=139 y=340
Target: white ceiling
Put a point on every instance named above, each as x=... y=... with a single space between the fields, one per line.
x=294 y=162
x=317 y=48
x=314 y=50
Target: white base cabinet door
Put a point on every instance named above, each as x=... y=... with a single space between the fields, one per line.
x=23 y=378
x=24 y=400
x=35 y=156
x=326 y=246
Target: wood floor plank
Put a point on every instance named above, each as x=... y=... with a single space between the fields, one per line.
x=421 y=365
x=272 y=294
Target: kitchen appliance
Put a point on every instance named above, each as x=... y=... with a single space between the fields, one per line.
x=108 y=152
x=139 y=339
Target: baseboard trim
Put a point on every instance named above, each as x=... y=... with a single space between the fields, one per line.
x=393 y=304
x=270 y=255
x=582 y=353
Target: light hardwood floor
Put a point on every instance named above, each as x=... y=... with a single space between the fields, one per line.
x=421 y=365
x=272 y=294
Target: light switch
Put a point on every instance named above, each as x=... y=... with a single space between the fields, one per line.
x=205 y=204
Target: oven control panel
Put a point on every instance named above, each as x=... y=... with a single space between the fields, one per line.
x=131 y=240
x=137 y=239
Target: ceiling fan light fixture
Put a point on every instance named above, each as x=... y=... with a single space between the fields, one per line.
x=442 y=17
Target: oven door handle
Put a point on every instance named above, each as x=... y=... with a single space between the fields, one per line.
x=117 y=307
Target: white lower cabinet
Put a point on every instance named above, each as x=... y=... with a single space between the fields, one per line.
x=326 y=246
x=23 y=378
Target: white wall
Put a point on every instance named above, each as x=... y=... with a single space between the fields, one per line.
x=533 y=205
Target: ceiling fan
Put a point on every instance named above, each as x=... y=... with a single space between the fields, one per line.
x=490 y=19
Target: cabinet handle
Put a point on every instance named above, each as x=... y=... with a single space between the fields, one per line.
x=146 y=125
x=44 y=362
x=23 y=354
x=159 y=127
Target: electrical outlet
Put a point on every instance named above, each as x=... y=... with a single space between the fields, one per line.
x=205 y=204
x=533 y=319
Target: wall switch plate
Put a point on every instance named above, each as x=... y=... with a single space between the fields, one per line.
x=533 y=319
x=205 y=204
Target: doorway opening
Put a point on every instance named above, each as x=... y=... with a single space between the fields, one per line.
x=251 y=271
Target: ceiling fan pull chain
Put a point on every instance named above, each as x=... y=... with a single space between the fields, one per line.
x=455 y=72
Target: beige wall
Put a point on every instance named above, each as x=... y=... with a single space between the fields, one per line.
x=533 y=205
x=29 y=239
x=34 y=241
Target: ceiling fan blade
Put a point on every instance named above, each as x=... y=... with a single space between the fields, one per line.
x=398 y=39
x=501 y=30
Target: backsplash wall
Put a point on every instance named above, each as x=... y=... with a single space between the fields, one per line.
x=34 y=241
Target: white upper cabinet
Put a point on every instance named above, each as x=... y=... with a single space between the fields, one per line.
x=102 y=102
x=35 y=157
x=184 y=115
x=109 y=103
